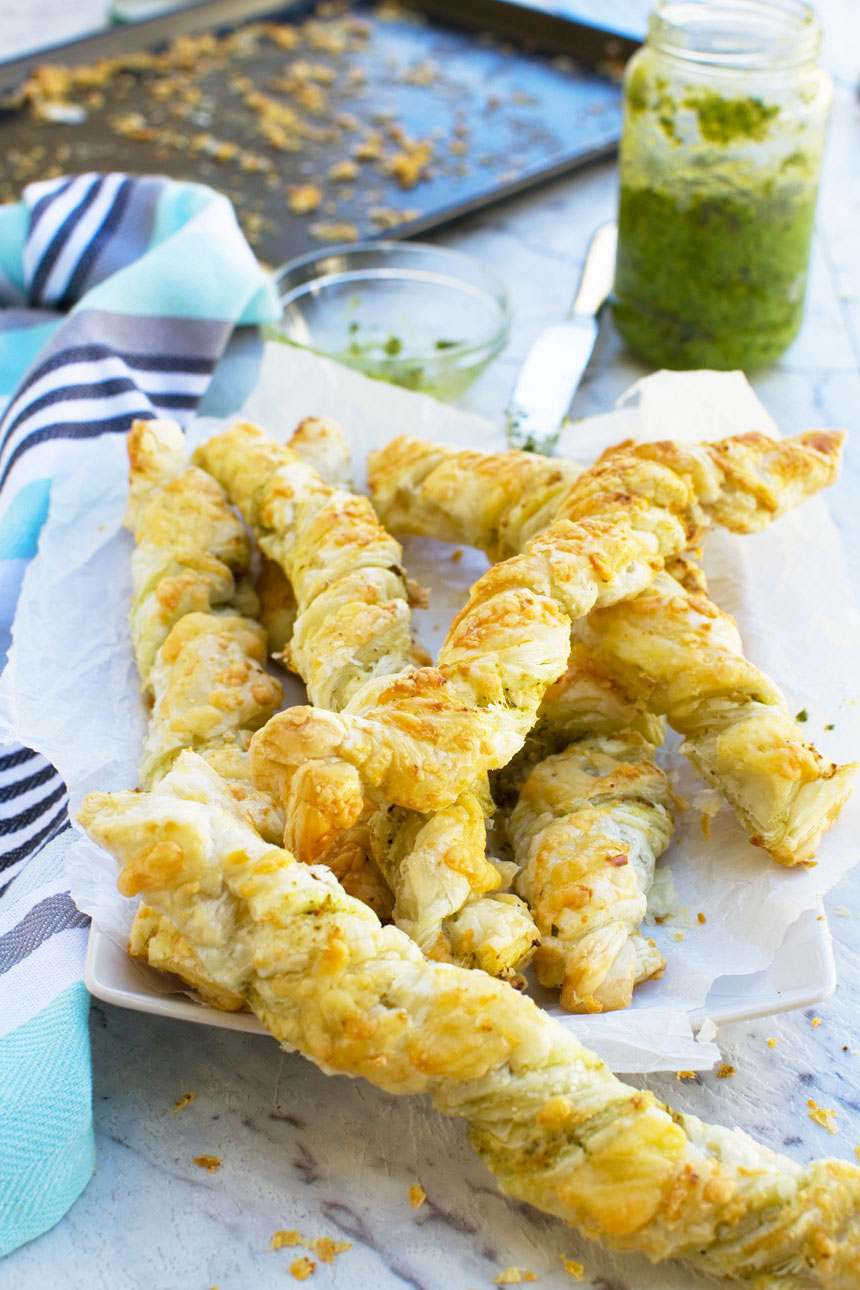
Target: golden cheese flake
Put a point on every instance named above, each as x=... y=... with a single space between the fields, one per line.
x=303 y=198
x=725 y=1071
x=302 y=1268
x=701 y=917
x=576 y=1270
x=334 y=231
x=816 y=1021
x=388 y=217
x=514 y=1277
x=325 y=1247
x=342 y=171
x=409 y=164
x=209 y=1163
x=417 y=1195
x=282 y=1238
x=182 y=1102
x=772 y=1043
x=686 y=1074
x=821 y=1115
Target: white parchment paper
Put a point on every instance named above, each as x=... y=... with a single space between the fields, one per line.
x=70 y=689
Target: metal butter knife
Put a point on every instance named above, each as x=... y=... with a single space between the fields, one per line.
x=554 y=365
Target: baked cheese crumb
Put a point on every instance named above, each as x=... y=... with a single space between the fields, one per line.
x=514 y=1276
x=816 y=1021
x=686 y=1074
x=771 y=1043
x=325 y=1247
x=302 y=1268
x=821 y=1115
x=303 y=198
x=210 y=1163
x=282 y=1238
x=182 y=1102
x=417 y=1195
x=701 y=917
x=725 y=1071
x=576 y=1270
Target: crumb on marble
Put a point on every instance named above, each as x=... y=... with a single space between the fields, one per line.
x=209 y=1163
x=302 y=1268
x=574 y=1269
x=701 y=917
x=821 y=1115
x=725 y=1071
x=417 y=1195
x=282 y=1238
x=816 y=1021
x=325 y=1247
x=181 y=1102
x=686 y=1074
x=457 y=556
x=771 y=1043
x=513 y=1277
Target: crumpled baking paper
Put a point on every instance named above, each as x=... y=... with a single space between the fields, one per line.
x=70 y=689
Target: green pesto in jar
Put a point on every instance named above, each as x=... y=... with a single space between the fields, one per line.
x=714 y=274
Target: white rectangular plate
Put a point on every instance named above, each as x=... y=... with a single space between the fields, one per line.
x=802 y=973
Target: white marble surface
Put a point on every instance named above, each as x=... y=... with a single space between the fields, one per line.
x=329 y=1156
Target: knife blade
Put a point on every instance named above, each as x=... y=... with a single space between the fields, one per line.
x=556 y=361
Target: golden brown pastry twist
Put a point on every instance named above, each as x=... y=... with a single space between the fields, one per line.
x=353 y=619
x=342 y=564
x=587 y=830
x=547 y=1117
x=204 y=673
x=683 y=657
x=419 y=739
x=677 y=652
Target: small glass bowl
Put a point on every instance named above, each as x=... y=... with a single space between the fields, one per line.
x=417 y=315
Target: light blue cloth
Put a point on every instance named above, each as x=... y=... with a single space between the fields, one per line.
x=118 y=296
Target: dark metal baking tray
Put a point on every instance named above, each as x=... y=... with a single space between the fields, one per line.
x=508 y=96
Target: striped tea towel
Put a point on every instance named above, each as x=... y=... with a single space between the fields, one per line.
x=117 y=297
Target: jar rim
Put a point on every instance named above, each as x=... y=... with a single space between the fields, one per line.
x=754 y=35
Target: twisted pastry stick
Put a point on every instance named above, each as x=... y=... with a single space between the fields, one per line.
x=320 y=443
x=353 y=620
x=547 y=1117
x=204 y=673
x=342 y=566
x=587 y=830
x=681 y=657
x=495 y=501
x=419 y=739
x=679 y=653
x=189 y=544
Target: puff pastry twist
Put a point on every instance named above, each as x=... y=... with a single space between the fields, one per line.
x=672 y=649
x=419 y=739
x=547 y=1117
x=353 y=625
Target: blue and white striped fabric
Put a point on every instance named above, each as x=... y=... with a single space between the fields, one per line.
x=117 y=298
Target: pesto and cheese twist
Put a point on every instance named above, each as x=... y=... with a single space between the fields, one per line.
x=586 y=832
x=353 y=628
x=418 y=739
x=671 y=648
x=546 y=1116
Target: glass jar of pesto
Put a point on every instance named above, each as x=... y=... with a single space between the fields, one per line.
x=725 y=116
